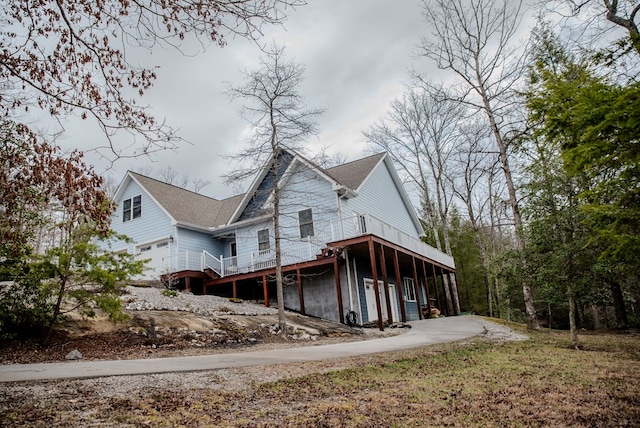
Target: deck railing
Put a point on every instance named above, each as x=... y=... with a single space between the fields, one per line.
x=306 y=250
x=368 y=224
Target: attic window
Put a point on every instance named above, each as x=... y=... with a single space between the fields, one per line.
x=305 y=219
x=132 y=208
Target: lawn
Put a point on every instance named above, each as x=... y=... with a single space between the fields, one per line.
x=539 y=382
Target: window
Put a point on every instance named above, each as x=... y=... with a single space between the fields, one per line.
x=305 y=219
x=408 y=289
x=145 y=249
x=132 y=208
x=162 y=244
x=263 y=240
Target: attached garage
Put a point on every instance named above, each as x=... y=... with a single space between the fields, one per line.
x=158 y=255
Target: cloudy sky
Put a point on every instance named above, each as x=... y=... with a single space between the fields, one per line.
x=357 y=55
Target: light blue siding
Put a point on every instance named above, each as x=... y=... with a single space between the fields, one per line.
x=196 y=241
x=247 y=236
x=303 y=189
x=380 y=197
x=307 y=189
x=152 y=225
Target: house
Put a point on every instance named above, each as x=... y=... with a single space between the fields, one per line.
x=350 y=239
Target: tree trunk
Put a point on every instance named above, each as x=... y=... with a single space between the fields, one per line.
x=451 y=279
x=56 y=313
x=572 y=319
x=622 y=321
x=596 y=317
x=532 y=318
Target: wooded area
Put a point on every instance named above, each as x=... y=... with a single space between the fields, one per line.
x=527 y=159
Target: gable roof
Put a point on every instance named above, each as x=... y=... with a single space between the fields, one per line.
x=353 y=174
x=192 y=209
x=184 y=206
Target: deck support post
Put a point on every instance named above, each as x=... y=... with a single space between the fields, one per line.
x=374 y=273
x=385 y=281
x=235 y=289
x=265 y=290
x=300 y=291
x=417 y=288
x=396 y=267
x=444 y=284
x=426 y=288
x=187 y=284
x=336 y=274
x=435 y=286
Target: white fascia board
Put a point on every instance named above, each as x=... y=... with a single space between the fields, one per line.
x=236 y=225
x=403 y=194
x=249 y=194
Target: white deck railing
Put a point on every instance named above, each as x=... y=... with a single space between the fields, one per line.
x=368 y=224
x=301 y=251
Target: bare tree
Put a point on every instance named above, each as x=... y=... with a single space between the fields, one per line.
x=279 y=120
x=420 y=137
x=474 y=162
x=198 y=184
x=74 y=57
x=473 y=39
x=171 y=176
x=616 y=13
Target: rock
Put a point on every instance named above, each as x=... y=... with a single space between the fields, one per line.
x=74 y=355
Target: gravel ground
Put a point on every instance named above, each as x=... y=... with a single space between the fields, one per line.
x=148 y=298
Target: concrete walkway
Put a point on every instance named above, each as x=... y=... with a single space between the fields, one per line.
x=425 y=332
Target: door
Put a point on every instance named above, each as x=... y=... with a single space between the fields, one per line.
x=370 y=297
x=393 y=296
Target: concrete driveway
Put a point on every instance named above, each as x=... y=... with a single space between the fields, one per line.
x=422 y=333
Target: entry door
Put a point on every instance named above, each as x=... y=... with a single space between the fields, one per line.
x=370 y=296
x=393 y=295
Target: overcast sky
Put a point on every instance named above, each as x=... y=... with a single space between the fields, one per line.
x=357 y=55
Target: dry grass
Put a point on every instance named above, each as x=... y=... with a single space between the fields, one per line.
x=540 y=382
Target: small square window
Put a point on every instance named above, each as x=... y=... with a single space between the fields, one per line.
x=132 y=208
x=305 y=219
x=263 y=240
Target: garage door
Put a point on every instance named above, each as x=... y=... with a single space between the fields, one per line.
x=158 y=253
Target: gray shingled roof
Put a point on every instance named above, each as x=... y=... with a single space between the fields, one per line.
x=192 y=208
x=352 y=174
x=189 y=207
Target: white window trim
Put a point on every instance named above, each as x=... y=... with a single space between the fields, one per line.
x=131 y=209
x=408 y=284
x=300 y=224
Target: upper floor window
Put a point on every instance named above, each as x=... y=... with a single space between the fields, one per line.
x=263 y=240
x=305 y=219
x=132 y=208
x=408 y=289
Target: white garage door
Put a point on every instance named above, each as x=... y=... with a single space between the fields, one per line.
x=158 y=252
